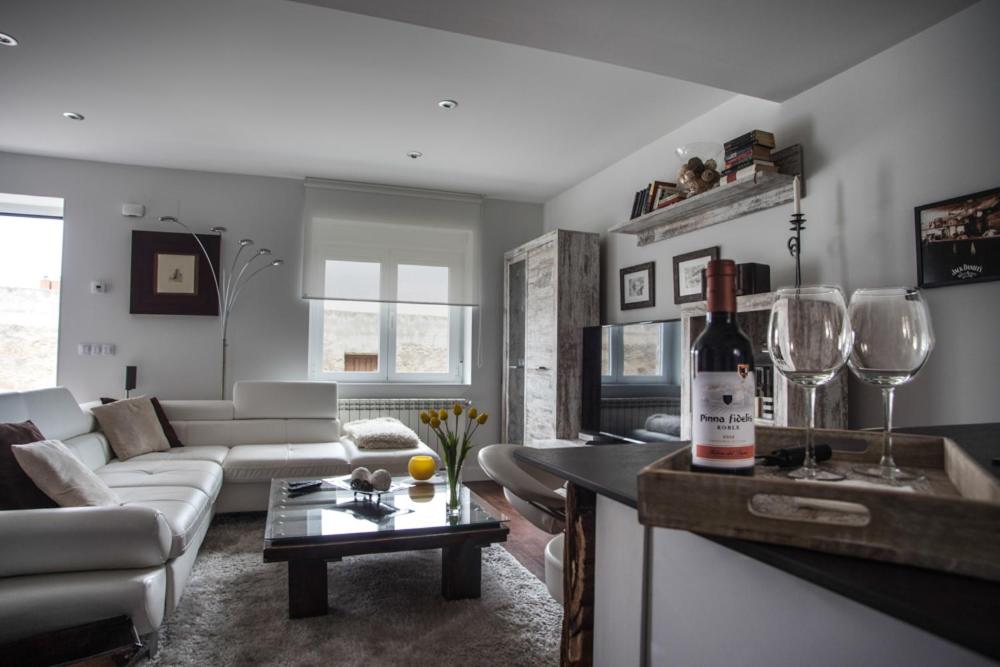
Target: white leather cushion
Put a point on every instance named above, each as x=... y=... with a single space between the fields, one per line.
x=312 y=430
x=35 y=604
x=198 y=410
x=56 y=413
x=255 y=463
x=285 y=400
x=184 y=508
x=205 y=476
x=61 y=476
x=206 y=453
x=393 y=460
x=232 y=432
x=91 y=448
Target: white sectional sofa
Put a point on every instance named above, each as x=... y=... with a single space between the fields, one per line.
x=65 y=566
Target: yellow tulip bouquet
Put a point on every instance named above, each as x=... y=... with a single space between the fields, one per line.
x=455 y=439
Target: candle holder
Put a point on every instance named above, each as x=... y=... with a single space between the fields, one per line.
x=798 y=223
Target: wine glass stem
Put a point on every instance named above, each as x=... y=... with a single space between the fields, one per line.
x=887 y=463
x=810 y=461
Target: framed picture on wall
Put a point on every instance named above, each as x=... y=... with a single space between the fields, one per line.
x=687 y=274
x=958 y=240
x=170 y=275
x=638 y=286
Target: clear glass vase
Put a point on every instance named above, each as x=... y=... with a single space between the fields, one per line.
x=454 y=503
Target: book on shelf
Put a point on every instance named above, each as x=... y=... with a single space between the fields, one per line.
x=749 y=162
x=747 y=173
x=759 y=137
x=754 y=151
x=635 y=206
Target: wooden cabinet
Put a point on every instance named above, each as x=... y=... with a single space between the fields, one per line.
x=551 y=291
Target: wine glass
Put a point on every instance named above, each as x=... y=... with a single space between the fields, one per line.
x=809 y=338
x=892 y=341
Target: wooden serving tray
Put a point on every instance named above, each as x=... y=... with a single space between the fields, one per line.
x=950 y=521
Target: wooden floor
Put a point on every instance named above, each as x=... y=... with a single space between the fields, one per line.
x=525 y=541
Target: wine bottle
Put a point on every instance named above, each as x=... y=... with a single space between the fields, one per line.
x=722 y=382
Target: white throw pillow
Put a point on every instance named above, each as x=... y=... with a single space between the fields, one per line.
x=381 y=433
x=62 y=476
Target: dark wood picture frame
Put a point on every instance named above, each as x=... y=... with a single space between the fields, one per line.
x=969 y=248
x=650 y=269
x=708 y=254
x=145 y=299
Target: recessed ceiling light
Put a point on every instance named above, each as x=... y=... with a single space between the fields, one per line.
x=7 y=40
x=448 y=104
x=72 y=115
x=414 y=154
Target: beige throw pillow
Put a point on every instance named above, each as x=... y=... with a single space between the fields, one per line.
x=62 y=476
x=131 y=427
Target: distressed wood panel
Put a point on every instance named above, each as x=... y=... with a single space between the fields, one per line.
x=579 y=577
x=539 y=404
x=579 y=304
x=721 y=204
x=540 y=307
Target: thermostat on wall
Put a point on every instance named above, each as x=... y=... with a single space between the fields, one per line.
x=133 y=210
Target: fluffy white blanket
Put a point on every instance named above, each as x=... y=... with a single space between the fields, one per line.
x=381 y=433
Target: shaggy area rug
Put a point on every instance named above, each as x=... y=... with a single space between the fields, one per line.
x=385 y=609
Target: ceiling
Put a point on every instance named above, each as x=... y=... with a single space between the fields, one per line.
x=773 y=49
x=292 y=89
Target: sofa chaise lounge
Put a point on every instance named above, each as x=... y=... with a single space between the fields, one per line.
x=66 y=566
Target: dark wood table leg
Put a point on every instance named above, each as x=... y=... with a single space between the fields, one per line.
x=461 y=571
x=306 y=587
x=578 y=578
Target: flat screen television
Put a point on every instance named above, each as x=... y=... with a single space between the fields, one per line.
x=632 y=381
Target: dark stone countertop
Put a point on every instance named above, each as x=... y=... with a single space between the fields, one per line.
x=962 y=609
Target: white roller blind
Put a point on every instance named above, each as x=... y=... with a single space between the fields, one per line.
x=423 y=245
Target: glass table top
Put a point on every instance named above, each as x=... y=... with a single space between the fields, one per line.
x=330 y=513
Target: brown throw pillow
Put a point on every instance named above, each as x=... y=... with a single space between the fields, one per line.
x=62 y=476
x=161 y=415
x=131 y=427
x=17 y=491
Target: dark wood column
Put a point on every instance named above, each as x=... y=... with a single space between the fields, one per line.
x=578 y=578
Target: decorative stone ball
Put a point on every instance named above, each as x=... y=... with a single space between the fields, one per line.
x=381 y=480
x=361 y=485
x=361 y=473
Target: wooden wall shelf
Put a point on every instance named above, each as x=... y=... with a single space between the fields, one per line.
x=726 y=202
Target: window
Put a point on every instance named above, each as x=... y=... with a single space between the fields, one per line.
x=633 y=353
x=29 y=291
x=371 y=341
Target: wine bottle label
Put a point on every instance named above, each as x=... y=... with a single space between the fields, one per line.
x=722 y=429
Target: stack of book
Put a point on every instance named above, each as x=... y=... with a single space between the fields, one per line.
x=655 y=195
x=747 y=155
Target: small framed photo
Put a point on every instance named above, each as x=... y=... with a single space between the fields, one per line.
x=687 y=274
x=958 y=240
x=171 y=276
x=638 y=286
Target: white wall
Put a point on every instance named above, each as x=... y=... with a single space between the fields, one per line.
x=178 y=356
x=912 y=125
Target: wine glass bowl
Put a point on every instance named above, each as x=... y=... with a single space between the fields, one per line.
x=809 y=339
x=893 y=338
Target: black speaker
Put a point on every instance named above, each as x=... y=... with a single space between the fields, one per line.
x=131 y=373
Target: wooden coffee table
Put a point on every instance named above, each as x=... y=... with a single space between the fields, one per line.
x=311 y=530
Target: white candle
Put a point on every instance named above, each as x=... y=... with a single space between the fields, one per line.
x=797 y=200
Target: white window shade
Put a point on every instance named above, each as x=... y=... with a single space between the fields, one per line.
x=424 y=243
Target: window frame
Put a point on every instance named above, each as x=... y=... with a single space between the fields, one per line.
x=387 y=373
x=616 y=359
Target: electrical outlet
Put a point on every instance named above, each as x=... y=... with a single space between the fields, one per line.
x=107 y=349
x=99 y=287
x=84 y=349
